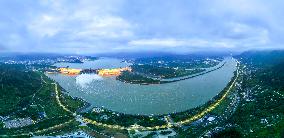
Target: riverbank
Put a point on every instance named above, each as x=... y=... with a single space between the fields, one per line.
x=163 y=98
x=189 y=116
x=141 y=80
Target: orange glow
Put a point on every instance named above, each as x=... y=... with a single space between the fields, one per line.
x=112 y=72
x=69 y=71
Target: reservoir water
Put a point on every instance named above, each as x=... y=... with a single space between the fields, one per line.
x=143 y=99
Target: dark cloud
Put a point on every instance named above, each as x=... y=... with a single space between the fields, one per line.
x=95 y=26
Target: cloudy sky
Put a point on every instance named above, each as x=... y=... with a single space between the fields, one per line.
x=99 y=26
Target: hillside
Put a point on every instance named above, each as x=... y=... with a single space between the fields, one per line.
x=16 y=85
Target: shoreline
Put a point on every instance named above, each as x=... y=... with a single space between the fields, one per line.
x=88 y=106
x=188 y=118
x=184 y=78
x=212 y=100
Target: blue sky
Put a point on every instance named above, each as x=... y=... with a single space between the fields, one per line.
x=103 y=26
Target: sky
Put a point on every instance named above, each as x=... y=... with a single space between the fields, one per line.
x=110 y=26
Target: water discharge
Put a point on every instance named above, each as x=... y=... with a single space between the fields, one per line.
x=145 y=99
x=85 y=79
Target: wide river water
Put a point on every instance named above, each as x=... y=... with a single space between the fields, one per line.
x=143 y=99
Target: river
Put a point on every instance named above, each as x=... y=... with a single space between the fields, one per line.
x=143 y=99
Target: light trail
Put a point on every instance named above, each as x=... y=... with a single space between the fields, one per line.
x=58 y=100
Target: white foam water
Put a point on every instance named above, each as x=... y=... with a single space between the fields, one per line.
x=84 y=79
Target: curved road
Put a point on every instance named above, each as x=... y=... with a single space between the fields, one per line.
x=169 y=125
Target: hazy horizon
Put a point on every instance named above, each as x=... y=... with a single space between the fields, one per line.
x=124 y=26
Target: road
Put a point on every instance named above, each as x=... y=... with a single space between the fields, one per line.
x=59 y=102
x=169 y=125
x=50 y=128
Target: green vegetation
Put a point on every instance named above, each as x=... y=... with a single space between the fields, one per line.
x=165 y=132
x=228 y=133
x=165 y=69
x=126 y=120
x=180 y=116
x=262 y=58
x=180 y=61
x=253 y=108
x=68 y=127
x=73 y=104
x=151 y=135
x=35 y=127
x=135 y=78
x=147 y=74
x=224 y=110
x=17 y=85
x=164 y=72
x=25 y=93
x=261 y=112
x=117 y=133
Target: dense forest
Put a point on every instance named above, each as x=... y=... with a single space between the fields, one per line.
x=25 y=93
x=16 y=85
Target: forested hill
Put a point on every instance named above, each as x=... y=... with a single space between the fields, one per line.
x=263 y=58
x=260 y=113
x=270 y=65
x=274 y=76
x=16 y=83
